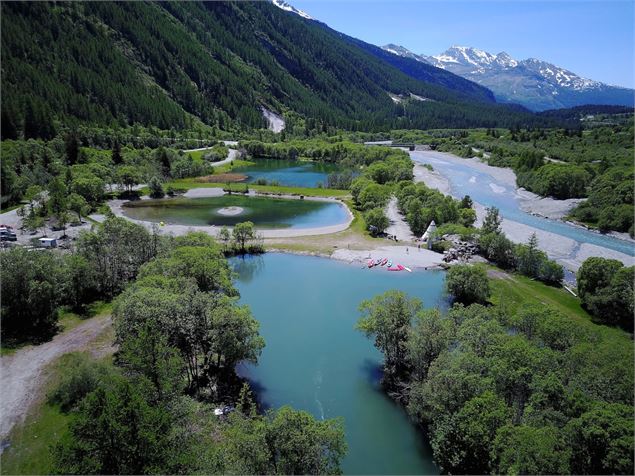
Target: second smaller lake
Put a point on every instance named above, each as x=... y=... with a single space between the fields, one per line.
x=228 y=210
x=288 y=173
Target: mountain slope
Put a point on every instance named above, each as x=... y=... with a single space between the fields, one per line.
x=535 y=84
x=173 y=64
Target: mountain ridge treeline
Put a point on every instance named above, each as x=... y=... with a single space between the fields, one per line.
x=189 y=65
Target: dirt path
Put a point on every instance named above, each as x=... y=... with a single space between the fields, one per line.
x=21 y=372
x=398 y=226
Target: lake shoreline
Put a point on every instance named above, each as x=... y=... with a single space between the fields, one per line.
x=118 y=205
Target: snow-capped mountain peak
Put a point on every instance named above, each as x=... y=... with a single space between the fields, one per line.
x=534 y=83
x=289 y=8
x=467 y=55
x=505 y=61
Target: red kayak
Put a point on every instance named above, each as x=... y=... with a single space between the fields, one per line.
x=397 y=268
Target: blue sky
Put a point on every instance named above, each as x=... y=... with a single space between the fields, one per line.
x=593 y=38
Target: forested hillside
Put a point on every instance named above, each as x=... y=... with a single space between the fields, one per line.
x=184 y=65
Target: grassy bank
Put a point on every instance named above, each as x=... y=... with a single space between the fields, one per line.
x=272 y=189
x=29 y=452
x=514 y=290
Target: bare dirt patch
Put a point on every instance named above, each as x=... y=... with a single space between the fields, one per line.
x=221 y=178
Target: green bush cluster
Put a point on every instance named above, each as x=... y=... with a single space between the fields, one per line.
x=500 y=392
x=420 y=205
x=606 y=290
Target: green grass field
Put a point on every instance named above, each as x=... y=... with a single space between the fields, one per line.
x=226 y=168
x=69 y=320
x=514 y=290
x=29 y=452
x=272 y=189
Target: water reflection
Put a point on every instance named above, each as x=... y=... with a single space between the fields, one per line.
x=247 y=267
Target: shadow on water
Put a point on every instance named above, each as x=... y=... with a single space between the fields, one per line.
x=247 y=267
x=373 y=372
x=258 y=391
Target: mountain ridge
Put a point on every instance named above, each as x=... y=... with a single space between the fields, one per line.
x=533 y=83
x=180 y=64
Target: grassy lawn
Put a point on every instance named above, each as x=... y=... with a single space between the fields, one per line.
x=198 y=154
x=514 y=290
x=272 y=189
x=31 y=441
x=29 y=452
x=69 y=320
x=223 y=169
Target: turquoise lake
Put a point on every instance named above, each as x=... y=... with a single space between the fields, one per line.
x=264 y=212
x=315 y=360
x=288 y=173
x=486 y=190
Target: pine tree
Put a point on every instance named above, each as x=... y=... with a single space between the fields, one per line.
x=492 y=221
x=117 y=159
x=72 y=148
x=246 y=404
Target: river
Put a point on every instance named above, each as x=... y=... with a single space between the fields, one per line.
x=315 y=360
x=485 y=189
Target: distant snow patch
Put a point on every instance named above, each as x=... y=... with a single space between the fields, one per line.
x=275 y=122
x=289 y=8
x=395 y=98
x=419 y=98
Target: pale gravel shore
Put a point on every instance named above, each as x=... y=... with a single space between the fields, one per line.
x=431 y=178
x=556 y=246
x=204 y=192
x=405 y=255
x=588 y=250
x=546 y=206
x=505 y=175
x=117 y=208
x=398 y=226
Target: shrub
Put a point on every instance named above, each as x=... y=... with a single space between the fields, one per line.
x=376 y=220
x=468 y=284
x=80 y=376
x=606 y=290
x=156 y=188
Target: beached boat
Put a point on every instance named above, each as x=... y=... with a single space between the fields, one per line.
x=407 y=269
x=384 y=261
